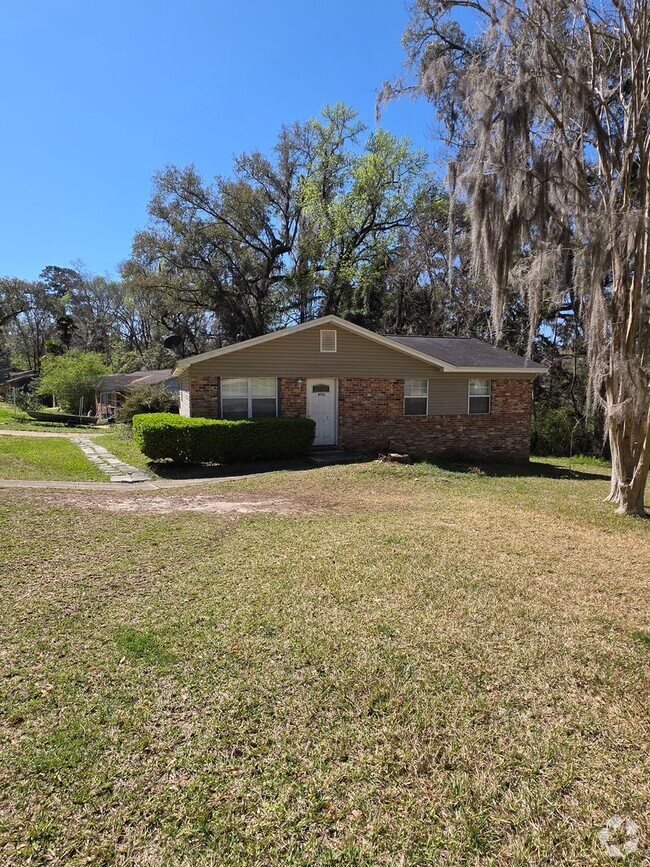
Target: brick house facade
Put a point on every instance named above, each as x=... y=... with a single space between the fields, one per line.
x=380 y=425
x=369 y=403
x=371 y=418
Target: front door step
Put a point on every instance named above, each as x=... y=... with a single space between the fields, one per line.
x=329 y=455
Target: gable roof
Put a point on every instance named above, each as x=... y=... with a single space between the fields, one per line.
x=467 y=352
x=438 y=355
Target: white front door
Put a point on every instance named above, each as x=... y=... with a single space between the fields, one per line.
x=321 y=406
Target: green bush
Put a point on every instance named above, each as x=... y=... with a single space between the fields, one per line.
x=163 y=436
x=144 y=399
x=555 y=431
x=72 y=378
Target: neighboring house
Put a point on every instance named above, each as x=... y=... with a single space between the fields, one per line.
x=19 y=379
x=113 y=387
x=453 y=396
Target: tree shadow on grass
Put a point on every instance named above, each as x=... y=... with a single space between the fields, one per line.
x=184 y=472
x=533 y=469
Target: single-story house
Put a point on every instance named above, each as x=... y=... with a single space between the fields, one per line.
x=437 y=396
x=112 y=387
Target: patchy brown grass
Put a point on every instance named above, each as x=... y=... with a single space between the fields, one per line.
x=413 y=666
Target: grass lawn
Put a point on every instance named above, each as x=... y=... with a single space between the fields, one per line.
x=51 y=458
x=21 y=421
x=384 y=665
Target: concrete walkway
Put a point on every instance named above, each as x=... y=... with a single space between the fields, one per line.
x=48 y=433
x=73 y=486
x=106 y=462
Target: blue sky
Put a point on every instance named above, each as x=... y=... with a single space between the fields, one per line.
x=98 y=96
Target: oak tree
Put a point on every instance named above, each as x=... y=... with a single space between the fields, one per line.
x=546 y=110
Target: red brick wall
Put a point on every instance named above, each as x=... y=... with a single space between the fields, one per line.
x=206 y=401
x=371 y=418
x=204 y=396
x=293 y=397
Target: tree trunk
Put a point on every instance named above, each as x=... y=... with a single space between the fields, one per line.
x=629 y=438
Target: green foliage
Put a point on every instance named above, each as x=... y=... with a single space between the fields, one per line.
x=12 y=298
x=147 y=399
x=163 y=436
x=71 y=377
x=288 y=231
x=557 y=431
x=28 y=399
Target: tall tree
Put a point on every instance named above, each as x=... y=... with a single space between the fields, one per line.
x=287 y=236
x=35 y=323
x=12 y=299
x=546 y=106
x=354 y=202
x=221 y=246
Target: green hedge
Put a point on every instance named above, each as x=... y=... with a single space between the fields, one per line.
x=163 y=436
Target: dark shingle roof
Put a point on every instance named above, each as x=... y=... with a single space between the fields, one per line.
x=466 y=352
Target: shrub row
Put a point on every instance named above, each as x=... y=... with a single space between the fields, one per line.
x=163 y=436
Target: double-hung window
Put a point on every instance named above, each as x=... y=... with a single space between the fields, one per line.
x=416 y=396
x=256 y=397
x=478 y=396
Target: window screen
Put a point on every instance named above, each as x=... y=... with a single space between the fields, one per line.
x=416 y=393
x=249 y=398
x=264 y=397
x=479 y=396
x=234 y=398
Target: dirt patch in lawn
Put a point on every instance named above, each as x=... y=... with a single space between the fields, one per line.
x=168 y=503
x=165 y=505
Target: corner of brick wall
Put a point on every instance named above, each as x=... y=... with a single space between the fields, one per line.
x=204 y=397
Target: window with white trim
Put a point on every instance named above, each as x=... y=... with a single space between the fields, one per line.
x=416 y=396
x=256 y=397
x=478 y=396
x=327 y=340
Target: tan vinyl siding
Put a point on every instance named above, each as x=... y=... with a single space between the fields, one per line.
x=299 y=355
x=184 y=406
x=448 y=394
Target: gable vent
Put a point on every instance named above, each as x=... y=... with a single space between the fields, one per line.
x=327 y=340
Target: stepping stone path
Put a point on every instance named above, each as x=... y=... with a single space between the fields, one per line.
x=116 y=469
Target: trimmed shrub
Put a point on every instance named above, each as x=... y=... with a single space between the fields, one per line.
x=145 y=399
x=163 y=436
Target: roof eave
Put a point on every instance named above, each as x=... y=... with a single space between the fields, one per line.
x=432 y=361
x=528 y=371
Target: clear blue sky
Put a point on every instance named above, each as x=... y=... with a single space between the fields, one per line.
x=99 y=95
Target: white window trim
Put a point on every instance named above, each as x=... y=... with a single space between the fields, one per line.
x=249 y=380
x=329 y=331
x=426 y=412
x=470 y=396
